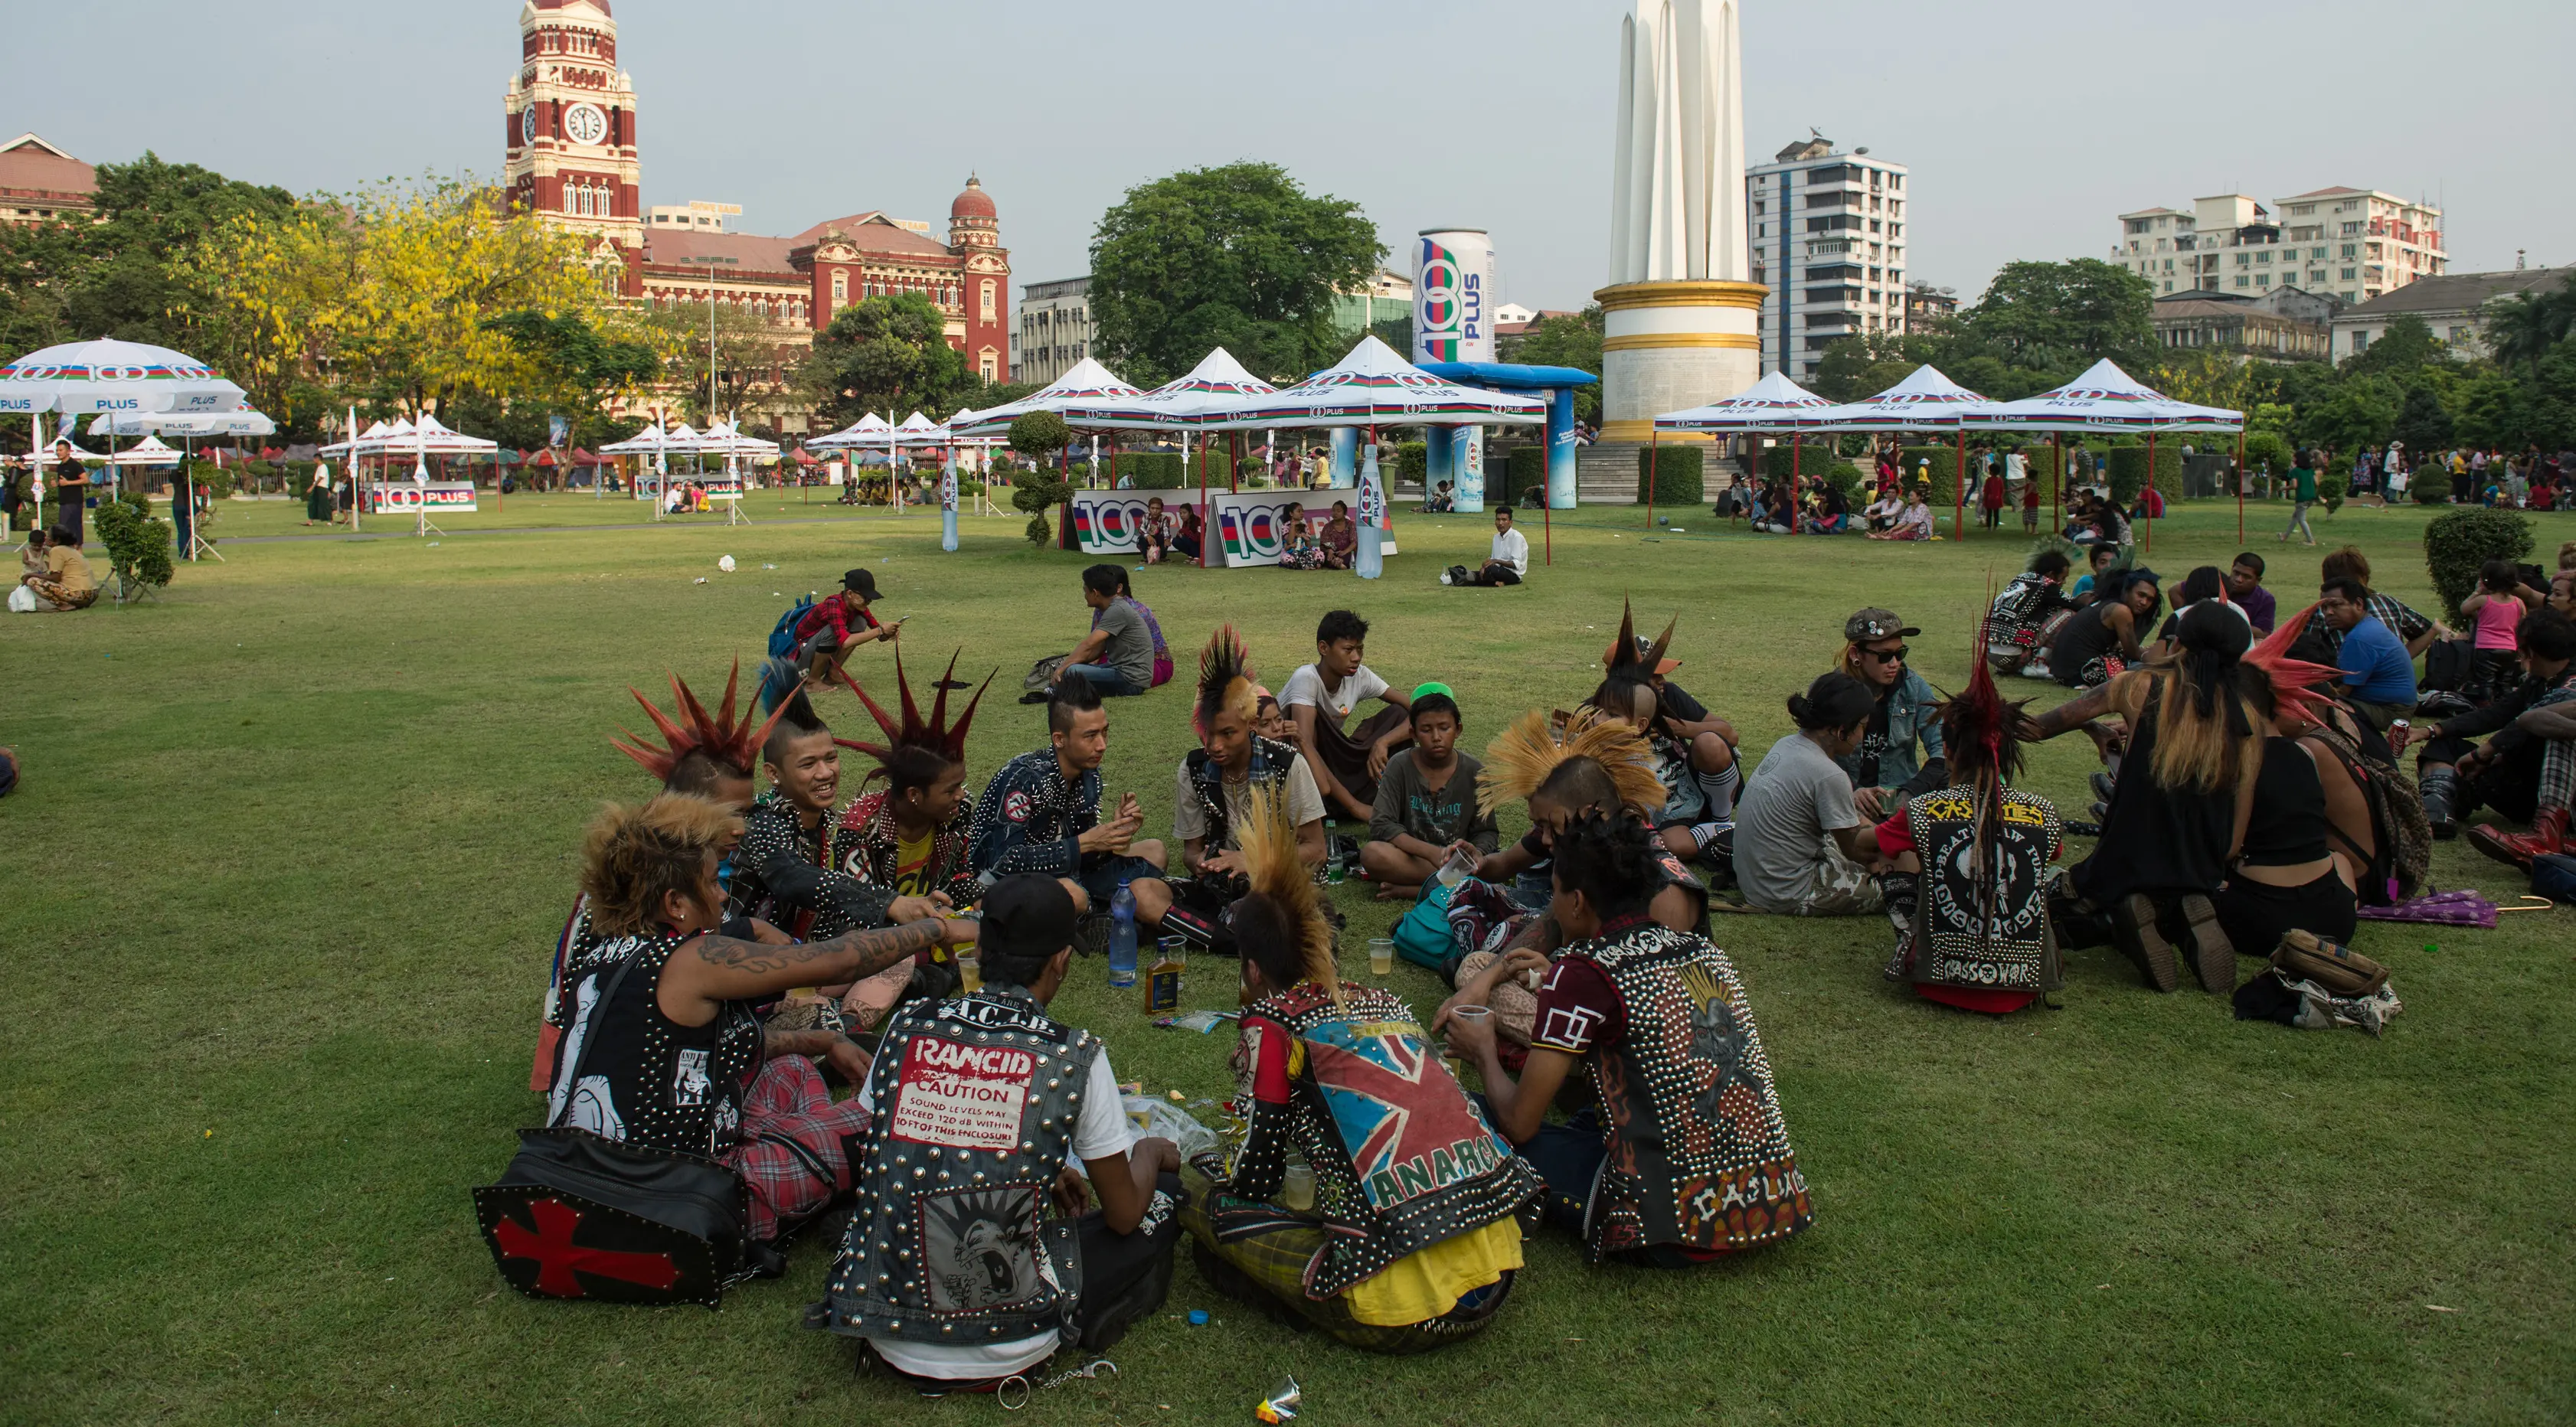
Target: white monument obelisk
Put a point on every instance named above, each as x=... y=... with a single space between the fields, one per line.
x=1679 y=314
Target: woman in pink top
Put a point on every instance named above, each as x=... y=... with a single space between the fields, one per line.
x=2498 y=608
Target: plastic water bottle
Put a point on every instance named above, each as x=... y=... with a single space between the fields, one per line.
x=1122 y=937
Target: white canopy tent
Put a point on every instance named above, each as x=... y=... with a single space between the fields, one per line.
x=147 y=452
x=1774 y=403
x=1088 y=386
x=2106 y=398
x=1925 y=401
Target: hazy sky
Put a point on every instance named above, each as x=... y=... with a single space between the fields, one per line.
x=2027 y=126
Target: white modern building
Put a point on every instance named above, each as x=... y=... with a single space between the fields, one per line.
x=1056 y=329
x=2354 y=245
x=1828 y=237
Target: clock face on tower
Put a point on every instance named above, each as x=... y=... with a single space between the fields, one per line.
x=584 y=124
x=528 y=125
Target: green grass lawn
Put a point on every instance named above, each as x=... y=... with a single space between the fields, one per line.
x=294 y=839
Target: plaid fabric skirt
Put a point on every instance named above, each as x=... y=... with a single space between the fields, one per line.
x=796 y=1146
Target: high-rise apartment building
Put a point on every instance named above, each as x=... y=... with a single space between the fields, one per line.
x=2350 y=244
x=1828 y=238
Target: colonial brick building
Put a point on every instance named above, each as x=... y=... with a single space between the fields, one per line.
x=572 y=159
x=40 y=183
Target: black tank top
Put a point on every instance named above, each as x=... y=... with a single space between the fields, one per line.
x=2288 y=825
x=2086 y=637
x=648 y=1080
x=2156 y=839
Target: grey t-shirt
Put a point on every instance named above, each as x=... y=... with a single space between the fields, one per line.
x=1405 y=806
x=1795 y=799
x=1130 y=650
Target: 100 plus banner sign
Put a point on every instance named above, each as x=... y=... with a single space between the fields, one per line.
x=1453 y=296
x=405 y=497
x=1251 y=526
x=1113 y=522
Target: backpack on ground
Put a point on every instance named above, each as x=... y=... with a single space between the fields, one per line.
x=2401 y=833
x=2448 y=664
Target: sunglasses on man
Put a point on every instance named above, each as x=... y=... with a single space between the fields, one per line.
x=1887 y=656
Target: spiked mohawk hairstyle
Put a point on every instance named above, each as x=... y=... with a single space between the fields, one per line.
x=1530 y=752
x=1280 y=924
x=734 y=745
x=1628 y=670
x=2295 y=682
x=1225 y=680
x=1979 y=726
x=913 y=735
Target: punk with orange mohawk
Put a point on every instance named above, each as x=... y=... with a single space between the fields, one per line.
x=1974 y=932
x=711 y=756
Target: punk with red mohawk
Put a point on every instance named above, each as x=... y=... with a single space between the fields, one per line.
x=710 y=756
x=911 y=835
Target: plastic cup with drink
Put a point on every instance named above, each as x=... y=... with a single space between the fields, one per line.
x=1381 y=956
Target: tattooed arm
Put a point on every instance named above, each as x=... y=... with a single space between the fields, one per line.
x=720 y=968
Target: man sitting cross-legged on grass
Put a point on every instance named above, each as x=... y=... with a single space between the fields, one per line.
x=1041 y=813
x=1426 y=802
x=1117 y=657
x=1230 y=765
x=976 y=1110
x=1587 y=764
x=1406 y=1239
x=911 y=834
x=1801 y=846
x=2527 y=771
x=1687 y=1158
x=656 y=1014
x=1322 y=695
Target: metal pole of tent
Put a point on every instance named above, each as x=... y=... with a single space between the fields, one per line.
x=2240 y=485
x=1794 y=444
x=1207 y=527
x=1959 y=519
x=2056 y=480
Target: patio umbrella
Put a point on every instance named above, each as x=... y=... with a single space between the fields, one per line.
x=81 y=378
x=2106 y=398
x=1925 y=401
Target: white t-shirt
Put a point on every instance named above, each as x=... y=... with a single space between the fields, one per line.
x=1189 y=820
x=1512 y=548
x=1306 y=686
x=1102 y=1131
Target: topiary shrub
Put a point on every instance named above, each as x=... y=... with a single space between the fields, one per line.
x=1669 y=475
x=2426 y=485
x=138 y=544
x=2332 y=487
x=1525 y=475
x=1413 y=464
x=1039 y=435
x=2457 y=542
x=2269 y=448
x=1038 y=492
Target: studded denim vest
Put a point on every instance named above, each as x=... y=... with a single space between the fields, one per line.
x=976 y=1101
x=1271 y=762
x=1698 y=1156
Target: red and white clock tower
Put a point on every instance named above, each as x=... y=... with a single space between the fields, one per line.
x=571 y=120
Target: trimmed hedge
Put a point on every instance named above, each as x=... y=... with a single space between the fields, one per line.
x=2129 y=471
x=2457 y=542
x=1669 y=475
x=1525 y=475
x=1945 y=470
x=1814 y=458
x=1412 y=463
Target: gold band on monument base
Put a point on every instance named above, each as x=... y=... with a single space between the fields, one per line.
x=1697 y=293
x=1643 y=429
x=1647 y=341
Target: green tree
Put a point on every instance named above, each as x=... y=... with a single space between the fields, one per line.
x=1567 y=342
x=1238 y=256
x=577 y=370
x=1861 y=365
x=68 y=281
x=2421 y=422
x=889 y=353
x=2522 y=329
x=2053 y=316
x=2405 y=347
x=2356 y=412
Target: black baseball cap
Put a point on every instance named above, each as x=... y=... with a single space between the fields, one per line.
x=1874 y=623
x=860 y=583
x=1029 y=916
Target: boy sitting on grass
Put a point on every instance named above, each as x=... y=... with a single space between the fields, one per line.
x=1426 y=803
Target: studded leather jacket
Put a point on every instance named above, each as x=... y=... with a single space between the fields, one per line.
x=950 y=1241
x=1698 y=1154
x=648 y=1080
x=1271 y=762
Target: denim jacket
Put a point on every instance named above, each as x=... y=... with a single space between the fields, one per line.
x=1910 y=720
